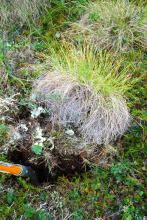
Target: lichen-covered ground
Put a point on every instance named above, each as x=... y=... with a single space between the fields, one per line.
x=114 y=189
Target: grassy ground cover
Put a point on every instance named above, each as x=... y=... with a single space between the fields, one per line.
x=113 y=190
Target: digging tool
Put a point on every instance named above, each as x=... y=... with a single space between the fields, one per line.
x=18 y=170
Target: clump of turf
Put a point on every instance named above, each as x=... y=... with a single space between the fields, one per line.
x=119 y=25
x=86 y=92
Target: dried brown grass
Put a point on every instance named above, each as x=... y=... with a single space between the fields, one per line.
x=97 y=118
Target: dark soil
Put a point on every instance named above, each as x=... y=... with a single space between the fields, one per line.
x=68 y=165
x=59 y=163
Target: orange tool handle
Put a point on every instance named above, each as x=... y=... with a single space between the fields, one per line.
x=13 y=169
x=19 y=170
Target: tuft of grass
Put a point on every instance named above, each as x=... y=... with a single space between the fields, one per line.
x=101 y=71
x=89 y=88
x=17 y=12
x=37 y=17
x=119 y=25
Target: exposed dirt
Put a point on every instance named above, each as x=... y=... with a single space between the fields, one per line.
x=63 y=159
x=66 y=166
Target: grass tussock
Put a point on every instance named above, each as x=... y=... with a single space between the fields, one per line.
x=86 y=91
x=20 y=12
x=119 y=25
x=85 y=94
x=100 y=70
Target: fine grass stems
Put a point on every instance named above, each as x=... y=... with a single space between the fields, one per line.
x=18 y=13
x=118 y=25
x=86 y=90
x=102 y=71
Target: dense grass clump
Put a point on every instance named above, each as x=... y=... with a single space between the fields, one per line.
x=119 y=25
x=100 y=70
x=20 y=12
x=86 y=90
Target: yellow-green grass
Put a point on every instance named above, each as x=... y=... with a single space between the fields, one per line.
x=102 y=70
x=86 y=90
x=118 y=25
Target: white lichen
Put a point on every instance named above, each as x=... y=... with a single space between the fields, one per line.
x=7 y=103
x=37 y=112
x=69 y=132
x=38 y=137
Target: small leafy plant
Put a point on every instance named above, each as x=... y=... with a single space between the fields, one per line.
x=37 y=149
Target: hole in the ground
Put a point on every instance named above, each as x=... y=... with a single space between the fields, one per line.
x=67 y=167
x=17 y=157
x=42 y=172
x=24 y=113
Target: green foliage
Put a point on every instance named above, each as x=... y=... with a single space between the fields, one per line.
x=59 y=16
x=37 y=149
x=10 y=196
x=101 y=194
x=29 y=212
x=17 y=198
x=106 y=74
x=4 y=131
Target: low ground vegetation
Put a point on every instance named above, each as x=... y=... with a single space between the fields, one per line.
x=56 y=99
